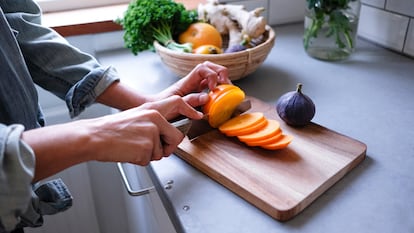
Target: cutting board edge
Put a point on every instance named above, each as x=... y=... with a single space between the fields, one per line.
x=280 y=214
x=306 y=202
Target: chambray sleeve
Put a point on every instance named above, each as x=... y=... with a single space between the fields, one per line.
x=54 y=64
x=17 y=169
x=23 y=204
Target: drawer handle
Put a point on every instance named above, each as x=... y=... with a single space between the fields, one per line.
x=131 y=192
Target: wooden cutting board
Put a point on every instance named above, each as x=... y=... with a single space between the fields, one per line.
x=281 y=183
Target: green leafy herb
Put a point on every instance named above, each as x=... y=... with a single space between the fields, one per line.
x=330 y=11
x=147 y=20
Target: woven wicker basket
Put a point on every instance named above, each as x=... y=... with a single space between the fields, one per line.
x=240 y=64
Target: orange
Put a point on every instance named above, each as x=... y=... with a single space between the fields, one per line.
x=207 y=49
x=201 y=34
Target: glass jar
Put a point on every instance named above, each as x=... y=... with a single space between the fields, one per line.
x=331 y=28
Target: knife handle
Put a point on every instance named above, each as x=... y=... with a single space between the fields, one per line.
x=183 y=125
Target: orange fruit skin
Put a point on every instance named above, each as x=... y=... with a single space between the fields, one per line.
x=207 y=49
x=223 y=107
x=215 y=93
x=271 y=129
x=243 y=124
x=266 y=141
x=283 y=142
x=201 y=34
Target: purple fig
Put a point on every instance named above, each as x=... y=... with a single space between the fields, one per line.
x=295 y=108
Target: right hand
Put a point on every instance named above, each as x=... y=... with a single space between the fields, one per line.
x=142 y=134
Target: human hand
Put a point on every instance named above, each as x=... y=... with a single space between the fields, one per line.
x=204 y=75
x=138 y=135
x=141 y=135
x=174 y=106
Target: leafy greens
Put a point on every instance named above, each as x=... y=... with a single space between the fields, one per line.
x=147 y=20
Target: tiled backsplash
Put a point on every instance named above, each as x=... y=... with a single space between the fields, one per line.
x=389 y=23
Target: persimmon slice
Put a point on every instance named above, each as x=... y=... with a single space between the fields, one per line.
x=243 y=124
x=223 y=106
x=215 y=93
x=266 y=141
x=271 y=129
x=283 y=142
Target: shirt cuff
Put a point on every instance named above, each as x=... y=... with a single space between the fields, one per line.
x=18 y=164
x=85 y=92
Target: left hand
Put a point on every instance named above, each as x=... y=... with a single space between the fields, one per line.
x=204 y=75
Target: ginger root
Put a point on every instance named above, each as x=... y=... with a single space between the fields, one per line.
x=234 y=20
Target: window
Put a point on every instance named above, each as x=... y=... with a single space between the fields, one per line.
x=59 y=5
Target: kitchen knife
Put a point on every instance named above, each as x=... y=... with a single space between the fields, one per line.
x=195 y=128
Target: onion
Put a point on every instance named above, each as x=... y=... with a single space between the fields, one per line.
x=295 y=108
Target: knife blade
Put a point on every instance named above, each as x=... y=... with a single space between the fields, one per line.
x=195 y=128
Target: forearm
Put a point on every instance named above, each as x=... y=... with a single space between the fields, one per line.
x=122 y=97
x=58 y=147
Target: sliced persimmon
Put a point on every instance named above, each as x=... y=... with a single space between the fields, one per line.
x=257 y=126
x=243 y=124
x=223 y=106
x=271 y=129
x=283 y=142
x=215 y=93
x=266 y=141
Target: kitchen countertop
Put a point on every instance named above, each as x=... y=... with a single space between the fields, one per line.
x=368 y=97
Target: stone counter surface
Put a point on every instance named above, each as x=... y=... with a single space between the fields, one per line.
x=368 y=97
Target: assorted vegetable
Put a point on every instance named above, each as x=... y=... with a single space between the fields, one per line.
x=147 y=20
x=207 y=49
x=199 y=34
x=240 y=25
x=296 y=108
x=179 y=29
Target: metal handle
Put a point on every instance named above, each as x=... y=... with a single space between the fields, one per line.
x=131 y=192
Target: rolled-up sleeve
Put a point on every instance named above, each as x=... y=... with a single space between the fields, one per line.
x=22 y=203
x=17 y=163
x=54 y=64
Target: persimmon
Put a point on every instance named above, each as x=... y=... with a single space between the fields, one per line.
x=271 y=129
x=207 y=49
x=216 y=92
x=201 y=33
x=266 y=141
x=283 y=142
x=243 y=124
x=222 y=108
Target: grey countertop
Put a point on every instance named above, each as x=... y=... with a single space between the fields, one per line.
x=369 y=97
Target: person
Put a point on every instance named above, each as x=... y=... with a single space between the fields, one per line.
x=31 y=54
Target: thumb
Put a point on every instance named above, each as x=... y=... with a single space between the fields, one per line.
x=196 y=99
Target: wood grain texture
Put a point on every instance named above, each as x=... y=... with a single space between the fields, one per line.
x=281 y=183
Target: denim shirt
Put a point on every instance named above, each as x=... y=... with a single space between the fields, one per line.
x=32 y=54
